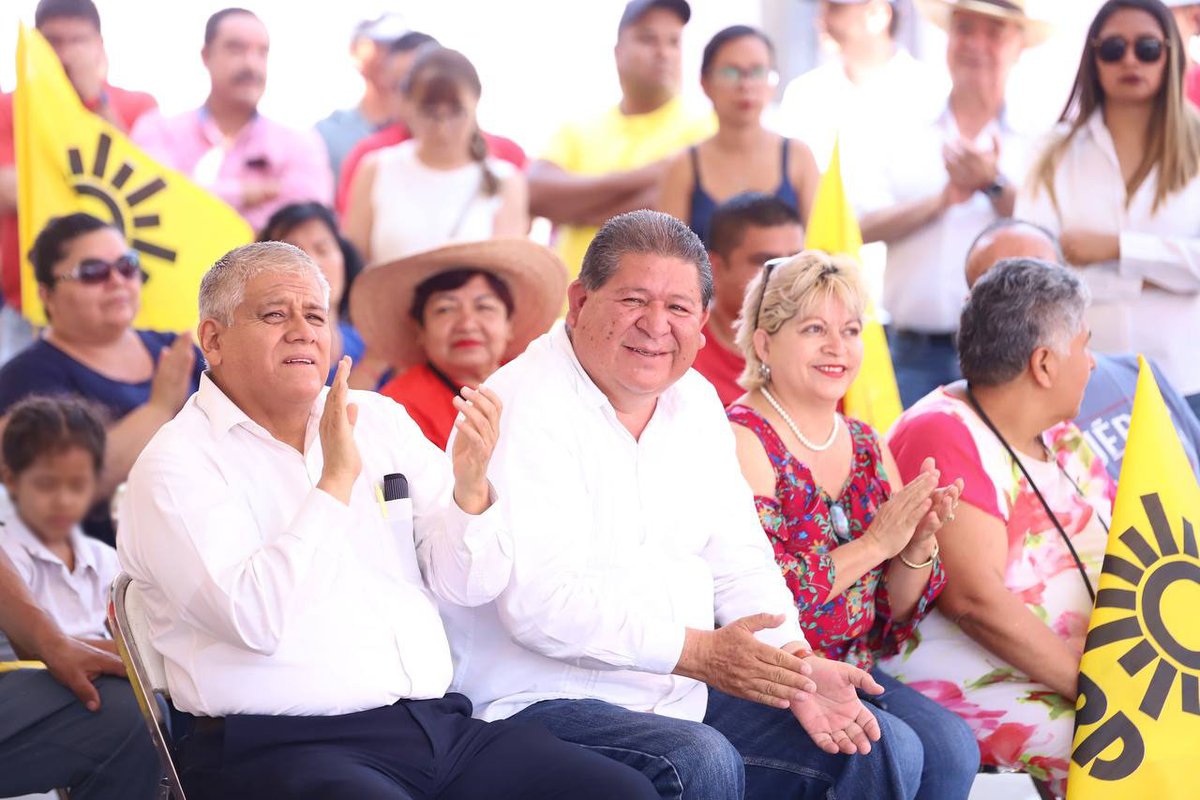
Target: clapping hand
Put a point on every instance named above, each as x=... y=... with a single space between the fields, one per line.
x=343 y=462
x=477 y=430
x=833 y=715
x=969 y=167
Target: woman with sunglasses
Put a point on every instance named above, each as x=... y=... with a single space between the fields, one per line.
x=737 y=72
x=90 y=284
x=1120 y=185
x=857 y=547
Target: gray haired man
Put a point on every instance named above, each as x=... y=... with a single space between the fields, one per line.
x=290 y=541
x=635 y=535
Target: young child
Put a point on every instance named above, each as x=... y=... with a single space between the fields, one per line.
x=53 y=449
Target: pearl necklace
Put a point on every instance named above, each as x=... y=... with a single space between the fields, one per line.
x=837 y=422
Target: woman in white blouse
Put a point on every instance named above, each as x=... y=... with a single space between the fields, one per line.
x=1119 y=184
x=440 y=186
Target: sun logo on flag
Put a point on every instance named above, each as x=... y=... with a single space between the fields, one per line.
x=1158 y=581
x=94 y=181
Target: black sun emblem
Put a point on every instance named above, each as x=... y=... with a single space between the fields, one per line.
x=1163 y=572
x=94 y=181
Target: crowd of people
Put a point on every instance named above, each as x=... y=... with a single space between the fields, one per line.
x=426 y=509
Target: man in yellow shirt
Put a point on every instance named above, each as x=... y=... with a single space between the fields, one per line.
x=612 y=163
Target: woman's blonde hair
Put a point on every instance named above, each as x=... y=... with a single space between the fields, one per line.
x=790 y=288
x=1174 y=130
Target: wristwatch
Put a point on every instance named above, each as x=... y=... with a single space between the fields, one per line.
x=996 y=188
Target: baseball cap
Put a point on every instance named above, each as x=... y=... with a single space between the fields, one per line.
x=385 y=28
x=636 y=9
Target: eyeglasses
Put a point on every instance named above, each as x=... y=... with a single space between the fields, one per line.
x=1147 y=49
x=92 y=271
x=768 y=268
x=732 y=75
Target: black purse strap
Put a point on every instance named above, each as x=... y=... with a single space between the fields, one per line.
x=1049 y=511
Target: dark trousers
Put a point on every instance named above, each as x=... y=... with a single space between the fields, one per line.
x=413 y=750
x=922 y=362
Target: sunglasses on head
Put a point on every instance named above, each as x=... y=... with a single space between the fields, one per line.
x=93 y=271
x=1147 y=49
x=768 y=268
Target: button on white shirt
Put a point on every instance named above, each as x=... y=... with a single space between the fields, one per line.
x=76 y=600
x=924 y=284
x=619 y=545
x=1159 y=319
x=266 y=595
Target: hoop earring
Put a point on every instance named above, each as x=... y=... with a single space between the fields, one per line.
x=764 y=372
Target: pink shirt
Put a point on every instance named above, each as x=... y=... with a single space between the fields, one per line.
x=192 y=144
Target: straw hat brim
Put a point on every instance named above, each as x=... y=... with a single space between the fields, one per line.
x=381 y=296
x=939 y=11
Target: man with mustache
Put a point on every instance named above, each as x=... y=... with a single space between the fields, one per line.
x=253 y=163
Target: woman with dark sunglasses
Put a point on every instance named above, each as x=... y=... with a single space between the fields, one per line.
x=1119 y=184
x=90 y=282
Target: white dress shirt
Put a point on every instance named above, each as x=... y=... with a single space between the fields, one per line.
x=620 y=544
x=1148 y=301
x=924 y=283
x=76 y=600
x=266 y=595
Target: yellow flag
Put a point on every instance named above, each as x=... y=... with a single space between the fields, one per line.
x=70 y=160
x=832 y=227
x=1137 y=728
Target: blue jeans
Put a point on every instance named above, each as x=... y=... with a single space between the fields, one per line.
x=48 y=740
x=741 y=749
x=922 y=362
x=950 y=752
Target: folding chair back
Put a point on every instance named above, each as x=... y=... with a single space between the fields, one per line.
x=147 y=674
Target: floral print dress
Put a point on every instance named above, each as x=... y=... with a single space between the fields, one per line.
x=1019 y=724
x=802 y=523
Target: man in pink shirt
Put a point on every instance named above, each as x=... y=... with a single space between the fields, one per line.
x=253 y=163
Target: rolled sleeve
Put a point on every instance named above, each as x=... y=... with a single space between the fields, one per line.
x=1169 y=262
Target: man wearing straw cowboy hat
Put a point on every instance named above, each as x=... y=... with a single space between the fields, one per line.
x=449 y=317
x=940 y=181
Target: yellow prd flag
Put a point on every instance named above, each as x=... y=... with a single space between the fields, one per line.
x=70 y=160
x=832 y=227
x=1137 y=728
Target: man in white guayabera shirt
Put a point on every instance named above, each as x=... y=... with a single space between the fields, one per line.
x=290 y=541
x=633 y=533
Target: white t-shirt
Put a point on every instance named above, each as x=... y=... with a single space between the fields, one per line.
x=417 y=207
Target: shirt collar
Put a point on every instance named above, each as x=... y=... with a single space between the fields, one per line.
x=212 y=134
x=1001 y=121
x=31 y=544
x=224 y=414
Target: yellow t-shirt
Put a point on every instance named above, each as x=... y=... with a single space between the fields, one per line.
x=616 y=142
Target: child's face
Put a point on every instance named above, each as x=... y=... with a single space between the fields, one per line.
x=54 y=493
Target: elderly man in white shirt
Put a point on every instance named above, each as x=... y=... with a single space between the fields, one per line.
x=634 y=532
x=939 y=181
x=290 y=577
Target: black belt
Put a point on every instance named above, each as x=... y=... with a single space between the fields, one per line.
x=208 y=725
x=921 y=337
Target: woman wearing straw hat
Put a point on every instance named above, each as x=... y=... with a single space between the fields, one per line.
x=449 y=317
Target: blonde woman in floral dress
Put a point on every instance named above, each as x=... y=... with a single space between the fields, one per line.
x=1026 y=544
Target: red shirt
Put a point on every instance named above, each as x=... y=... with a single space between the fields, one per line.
x=1191 y=84
x=127 y=106
x=498 y=147
x=427 y=398
x=722 y=367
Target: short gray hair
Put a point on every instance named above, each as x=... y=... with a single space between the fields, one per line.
x=637 y=232
x=1019 y=305
x=223 y=287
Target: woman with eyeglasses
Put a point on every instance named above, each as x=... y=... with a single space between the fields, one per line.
x=90 y=285
x=440 y=186
x=858 y=548
x=737 y=72
x=1120 y=184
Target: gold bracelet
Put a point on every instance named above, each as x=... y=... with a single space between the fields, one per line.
x=932 y=558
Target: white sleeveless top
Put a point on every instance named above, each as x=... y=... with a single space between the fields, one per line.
x=418 y=208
